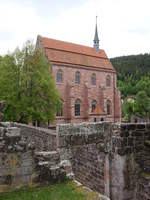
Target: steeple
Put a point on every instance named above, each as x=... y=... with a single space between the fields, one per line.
x=96 y=39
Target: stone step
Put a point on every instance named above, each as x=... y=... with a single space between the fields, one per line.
x=51 y=157
x=52 y=173
x=66 y=164
x=49 y=166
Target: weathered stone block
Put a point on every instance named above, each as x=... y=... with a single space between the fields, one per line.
x=121 y=151
x=141 y=126
x=123 y=127
x=147 y=143
x=101 y=147
x=2 y=131
x=12 y=132
x=137 y=134
x=124 y=133
x=131 y=126
x=51 y=157
x=130 y=141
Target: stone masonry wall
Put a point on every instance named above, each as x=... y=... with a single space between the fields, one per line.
x=84 y=146
x=79 y=91
x=130 y=162
x=42 y=139
x=22 y=162
x=16 y=159
x=113 y=159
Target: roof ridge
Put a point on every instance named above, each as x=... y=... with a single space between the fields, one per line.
x=80 y=48
x=68 y=42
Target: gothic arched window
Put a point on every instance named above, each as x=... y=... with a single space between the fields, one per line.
x=59 y=109
x=93 y=105
x=108 y=80
x=77 y=107
x=77 y=77
x=108 y=107
x=59 y=76
x=93 y=79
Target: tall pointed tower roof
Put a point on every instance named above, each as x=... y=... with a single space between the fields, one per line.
x=96 y=38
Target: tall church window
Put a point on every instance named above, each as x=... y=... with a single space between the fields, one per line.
x=77 y=107
x=59 y=76
x=77 y=77
x=108 y=107
x=108 y=79
x=93 y=79
x=93 y=105
x=59 y=110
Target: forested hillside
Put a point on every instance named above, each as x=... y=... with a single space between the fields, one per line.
x=134 y=80
x=134 y=65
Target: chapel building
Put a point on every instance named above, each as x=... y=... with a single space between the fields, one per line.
x=85 y=79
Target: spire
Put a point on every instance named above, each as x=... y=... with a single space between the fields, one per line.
x=96 y=39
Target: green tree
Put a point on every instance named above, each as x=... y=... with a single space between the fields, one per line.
x=27 y=86
x=9 y=87
x=143 y=85
x=128 y=109
x=133 y=76
x=142 y=104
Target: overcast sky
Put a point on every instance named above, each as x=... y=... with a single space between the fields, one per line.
x=123 y=25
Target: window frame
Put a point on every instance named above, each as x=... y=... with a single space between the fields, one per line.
x=93 y=105
x=59 y=76
x=108 y=80
x=108 y=107
x=93 y=79
x=77 y=77
x=77 y=107
x=59 y=110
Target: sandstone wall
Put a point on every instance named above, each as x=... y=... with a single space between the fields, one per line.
x=130 y=162
x=42 y=139
x=85 y=145
x=26 y=156
x=16 y=159
x=87 y=95
x=113 y=159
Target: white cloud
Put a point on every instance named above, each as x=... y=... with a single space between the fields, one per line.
x=17 y=24
x=123 y=25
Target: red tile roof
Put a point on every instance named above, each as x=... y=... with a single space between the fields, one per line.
x=68 y=53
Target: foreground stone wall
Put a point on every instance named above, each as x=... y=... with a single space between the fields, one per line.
x=113 y=159
x=130 y=162
x=42 y=139
x=21 y=163
x=85 y=146
x=16 y=159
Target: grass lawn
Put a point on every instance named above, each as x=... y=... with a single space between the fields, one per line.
x=61 y=191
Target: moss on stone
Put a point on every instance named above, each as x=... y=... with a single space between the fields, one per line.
x=145 y=175
x=147 y=142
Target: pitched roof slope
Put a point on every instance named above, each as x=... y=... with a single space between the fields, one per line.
x=60 y=52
